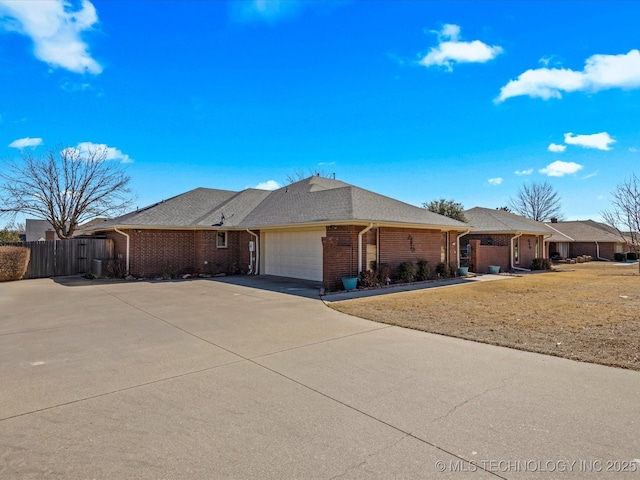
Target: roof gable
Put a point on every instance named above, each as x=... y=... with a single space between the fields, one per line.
x=586 y=231
x=487 y=220
x=312 y=200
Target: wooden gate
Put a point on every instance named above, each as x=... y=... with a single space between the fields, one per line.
x=54 y=258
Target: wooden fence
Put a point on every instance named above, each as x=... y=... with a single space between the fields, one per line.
x=54 y=258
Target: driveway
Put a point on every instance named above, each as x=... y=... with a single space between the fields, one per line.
x=203 y=379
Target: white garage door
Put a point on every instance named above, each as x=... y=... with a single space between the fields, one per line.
x=294 y=254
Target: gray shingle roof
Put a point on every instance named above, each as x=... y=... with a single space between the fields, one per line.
x=487 y=220
x=310 y=201
x=585 y=231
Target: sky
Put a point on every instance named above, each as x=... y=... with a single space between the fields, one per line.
x=415 y=100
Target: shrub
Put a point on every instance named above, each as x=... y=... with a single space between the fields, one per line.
x=115 y=268
x=368 y=278
x=632 y=256
x=423 y=272
x=384 y=273
x=620 y=257
x=406 y=272
x=541 y=264
x=13 y=262
x=443 y=270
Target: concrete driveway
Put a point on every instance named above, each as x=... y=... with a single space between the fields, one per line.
x=207 y=380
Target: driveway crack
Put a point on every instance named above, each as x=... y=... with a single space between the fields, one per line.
x=474 y=397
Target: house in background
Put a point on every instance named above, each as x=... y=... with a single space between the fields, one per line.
x=585 y=237
x=502 y=238
x=40 y=230
x=316 y=229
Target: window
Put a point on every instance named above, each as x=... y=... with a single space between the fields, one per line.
x=516 y=251
x=537 y=247
x=444 y=247
x=221 y=240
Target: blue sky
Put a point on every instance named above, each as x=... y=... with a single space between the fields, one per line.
x=416 y=100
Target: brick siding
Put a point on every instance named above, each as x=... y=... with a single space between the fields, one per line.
x=154 y=252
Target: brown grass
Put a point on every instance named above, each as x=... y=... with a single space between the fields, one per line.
x=588 y=312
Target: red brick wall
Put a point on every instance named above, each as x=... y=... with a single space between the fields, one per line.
x=528 y=250
x=152 y=252
x=340 y=255
x=484 y=255
x=396 y=247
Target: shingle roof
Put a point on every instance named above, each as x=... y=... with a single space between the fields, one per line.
x=310 y=201
x=487 y=220
x=584 y=231
x=317 y=199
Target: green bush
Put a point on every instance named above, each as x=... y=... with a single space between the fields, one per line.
x=13 y=262
x=443 y=270
x=632 y=256
x=620 y=257
x=423 y=272
x=541 y=264
x=406 y=272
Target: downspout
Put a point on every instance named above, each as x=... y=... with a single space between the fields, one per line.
x=458 y=246
x=513 y=267
x=598 y=253
x=128 y=244
x=362 y=232
x=257 y=267
x=545 y=248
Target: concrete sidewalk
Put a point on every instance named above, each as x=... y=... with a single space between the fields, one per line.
x=207 y=379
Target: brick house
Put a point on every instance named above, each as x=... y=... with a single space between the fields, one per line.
x=585 y=237
x=504 y=239
x=316 y=229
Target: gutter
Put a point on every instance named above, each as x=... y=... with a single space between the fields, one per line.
x=128 y=244
x=513 y=267
x=362 y=232
x=257 y=267
x=458 y=246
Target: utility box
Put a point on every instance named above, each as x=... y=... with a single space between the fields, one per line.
x=96 y=267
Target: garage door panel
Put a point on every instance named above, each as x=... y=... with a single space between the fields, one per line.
x=296 y=254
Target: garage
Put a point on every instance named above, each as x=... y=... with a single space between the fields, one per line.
x=294 y=253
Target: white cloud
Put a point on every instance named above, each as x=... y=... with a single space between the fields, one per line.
x=554 y=147
x=524 y=172
x=633 y=149
x=55 y=29
x=601 y=72
x=268 y=185
x=590 y=175
x=451 y=50
x=495 y=181
x=560 y=169
x=269 y=11
x=111 y=153
x=26 y=142
x=601 y=140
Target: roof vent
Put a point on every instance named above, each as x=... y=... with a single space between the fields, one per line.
x=554 y=219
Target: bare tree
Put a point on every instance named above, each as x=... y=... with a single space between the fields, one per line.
x=67 y=188
x=537 y=201
x=300 y=174
x=624 y=217
x=448 y=208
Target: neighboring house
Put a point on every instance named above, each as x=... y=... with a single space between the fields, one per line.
x=41 y=230
x=585 y=237
x=38 y=230
x=502 y=238
x=316 y=229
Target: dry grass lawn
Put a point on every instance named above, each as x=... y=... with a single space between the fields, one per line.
x=588 y=312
